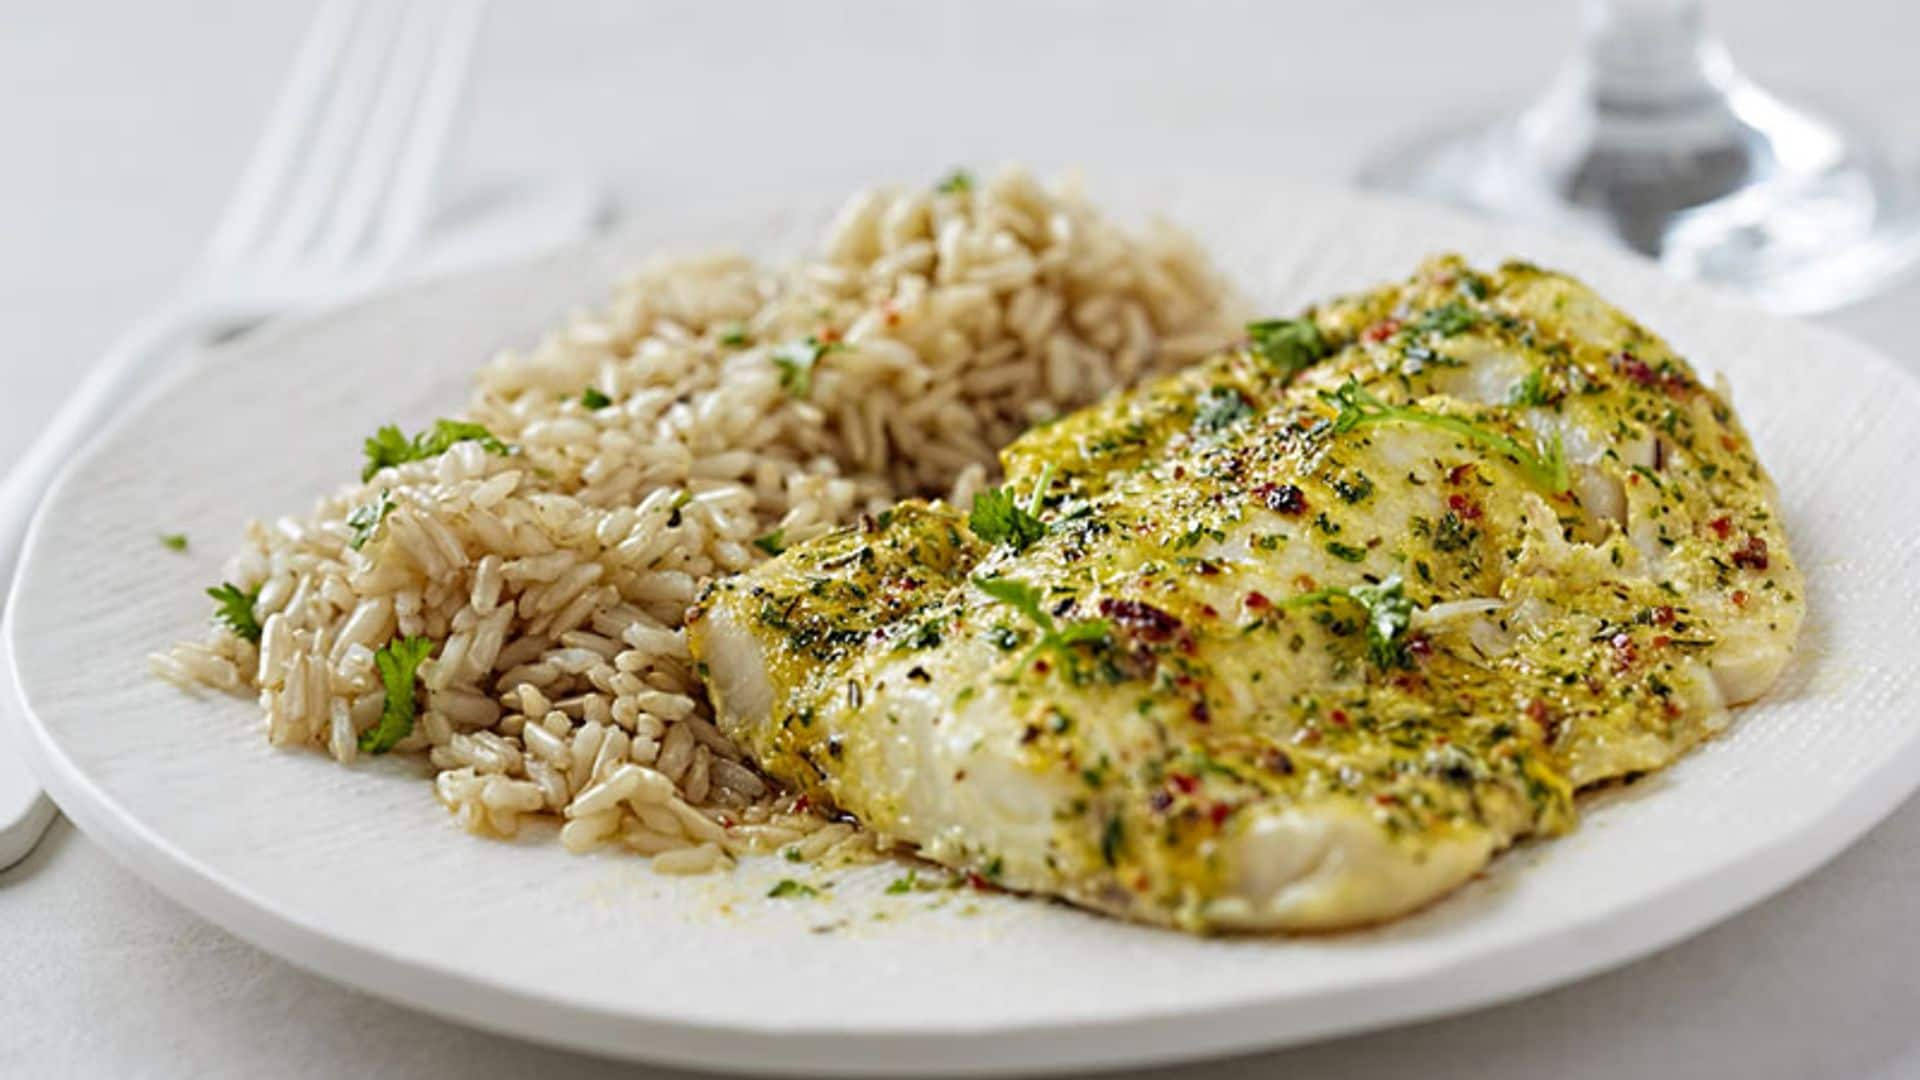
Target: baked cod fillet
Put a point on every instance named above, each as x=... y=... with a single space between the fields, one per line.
x=1299 y=638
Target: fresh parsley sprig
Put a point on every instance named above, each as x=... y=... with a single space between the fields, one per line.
x=390 y=446
x=236 y=609
x=1545 y=467
x=998 y=518
x=399 y=663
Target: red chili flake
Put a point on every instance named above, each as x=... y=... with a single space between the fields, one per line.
x=979 y=883
x=1459 y=473
x=1671 y=710
x=1159 y=801
x=1420 y=646
x=1753 y=555
x=1441 y=740
x=1140 y=619
x=1382 y=330
x=1728 y=442
x=1281 y=498
x=1208 y=611
x=1537 y=711
x=1257 y=601
x=1277 y=761
x=1663 y=615
x=1218 y=813
x=1179 y=472
x=1722 y=526
x=1200 y=713
x=1739 y=598
x=828 y=336
x=802 y=804
x=1185 y=783
x=1463 y=506
x=1308 y=737
x=1386 y=798
x=1042 y=666
x=1634 y=368
x=1339 y=717
x=1625 y=652
x=1661 y=641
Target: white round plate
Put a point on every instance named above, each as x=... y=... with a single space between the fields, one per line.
x=359 y=875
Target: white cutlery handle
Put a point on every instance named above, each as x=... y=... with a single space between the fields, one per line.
x=121 y=372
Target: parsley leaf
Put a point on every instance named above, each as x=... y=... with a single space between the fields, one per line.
x=787 y=887
x=174 y=541
x=236 y=609
x=1220 y=407
x=1287 y=345
x=796 y=360
x=365 y=520
x=998 y=519
x=592 y=398
x=734 y=336
x=955 y=182
x=399 y=662
x=389 y=446
x=1545 y=466
x=772 y=543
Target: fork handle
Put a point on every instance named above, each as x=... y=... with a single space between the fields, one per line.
x=127 y=366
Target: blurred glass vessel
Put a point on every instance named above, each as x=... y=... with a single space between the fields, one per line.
x=1652 y=137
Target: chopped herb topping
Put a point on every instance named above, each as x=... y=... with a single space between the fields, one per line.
x=174 y=541
x=772 y=543
x=735 y=336
x=796 y=361
x=1448 y=319
x=1220 y=407
x=1287 y=345
x=592 y=398
x=365 y=520
x=1389 y=613
x=1026 y=600
x=1531 y=390
x=787 y=888
x=955 y=182
x=388 y=446
x=236 y=609
x=1546 y=467
x=399 y=662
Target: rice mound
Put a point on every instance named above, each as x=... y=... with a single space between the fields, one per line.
x=712 y=411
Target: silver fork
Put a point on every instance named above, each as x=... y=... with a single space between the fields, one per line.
x=335 y=194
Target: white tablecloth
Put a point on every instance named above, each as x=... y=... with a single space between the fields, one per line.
x=125 y=123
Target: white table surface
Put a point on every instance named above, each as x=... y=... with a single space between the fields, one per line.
x=125 y=123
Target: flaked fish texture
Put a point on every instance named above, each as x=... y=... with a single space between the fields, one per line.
x=1298 y=638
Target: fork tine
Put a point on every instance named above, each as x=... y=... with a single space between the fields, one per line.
x=405 y=213
x=356 y=88
x=383 y=141
x=293 y=116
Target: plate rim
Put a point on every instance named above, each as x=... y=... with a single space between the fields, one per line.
x=1685 y=908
